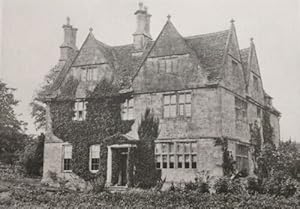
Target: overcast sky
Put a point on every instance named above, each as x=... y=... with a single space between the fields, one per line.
x=32 y=33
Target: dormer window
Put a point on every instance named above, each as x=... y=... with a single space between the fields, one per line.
x=127 y=110
x=80 y=110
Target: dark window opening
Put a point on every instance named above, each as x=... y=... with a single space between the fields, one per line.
x=67 y=164
x=95 y=164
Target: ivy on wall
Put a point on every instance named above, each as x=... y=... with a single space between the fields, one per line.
x=103 y=125
x=255 y=138
x=267 y=128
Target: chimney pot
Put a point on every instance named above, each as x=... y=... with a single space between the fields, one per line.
x=68 y=48
x=140 y=5
x=68 y=20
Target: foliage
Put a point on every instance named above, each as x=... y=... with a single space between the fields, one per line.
x=32 y=157
x=30 y=197
x=267 y=128
x=253 y=185
x=256 y=140
x=227 y=185
x=280 y=184
x=228 y=161
x=281 y=159
x=277 y=170
x=201 y=183
x=149 y=126
x=11 y=129
x=38 y=111
x=146 y=173
x=103 y=122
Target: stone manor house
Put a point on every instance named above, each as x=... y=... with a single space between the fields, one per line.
x=201 y=87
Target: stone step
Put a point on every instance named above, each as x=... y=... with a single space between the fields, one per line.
x=117 y=188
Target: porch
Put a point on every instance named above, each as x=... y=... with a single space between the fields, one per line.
x=120 y=169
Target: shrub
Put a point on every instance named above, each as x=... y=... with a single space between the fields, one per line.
x=280 y=184
x=226 y=185
x=253 y=185
x=201 y=183
x=147 y=175
x=32 y=158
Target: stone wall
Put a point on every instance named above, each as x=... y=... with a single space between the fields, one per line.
x=209 y=158
x=274 y=120
x=204 y=122
x=229 y=118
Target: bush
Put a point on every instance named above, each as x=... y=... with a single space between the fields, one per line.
x=30 y=197
x=32 y=158
x=226 y=185
x=280 y=184
x=253 y=185
x=201 y=183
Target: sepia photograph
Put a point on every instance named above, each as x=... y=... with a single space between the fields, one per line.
x=150 y=104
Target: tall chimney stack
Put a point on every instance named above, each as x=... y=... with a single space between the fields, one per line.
x=68 y=48
x=142 y=33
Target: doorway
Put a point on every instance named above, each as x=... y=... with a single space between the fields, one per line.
x=122 y=178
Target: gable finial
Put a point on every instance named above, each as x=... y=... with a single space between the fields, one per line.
x=232 y=21
x=68 y=20
x=91 y=29
x=251 y=39
x=169 y=17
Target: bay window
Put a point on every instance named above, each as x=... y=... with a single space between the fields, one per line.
x=170 y=155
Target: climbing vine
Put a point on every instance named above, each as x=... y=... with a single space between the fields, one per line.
x=103 y=125
x=267 y=128
x=255 y=138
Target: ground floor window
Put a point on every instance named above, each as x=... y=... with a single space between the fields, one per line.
x=242 y=157
x=67 y=159
x=176 y=155
x=94 y=158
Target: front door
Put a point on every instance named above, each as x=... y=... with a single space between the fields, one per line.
x=122 y=180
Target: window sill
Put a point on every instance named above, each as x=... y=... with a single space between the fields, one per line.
x=178 y=118
x=94 y=171
x=183 y=169
x=67 y=171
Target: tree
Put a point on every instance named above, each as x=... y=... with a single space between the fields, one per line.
x=32 y=157
x=277 y=168
x=148 y=131
x=38 y=111
x=11 y=129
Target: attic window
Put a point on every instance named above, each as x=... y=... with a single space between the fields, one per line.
x=167 y=65
x=89 y=74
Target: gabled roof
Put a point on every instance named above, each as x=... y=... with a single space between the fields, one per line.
x=169 y=42
x=207 y=49
x=126 y=63
x=210 y=47
x=93 y=52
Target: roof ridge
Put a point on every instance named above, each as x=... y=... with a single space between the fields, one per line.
x=205 y=34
